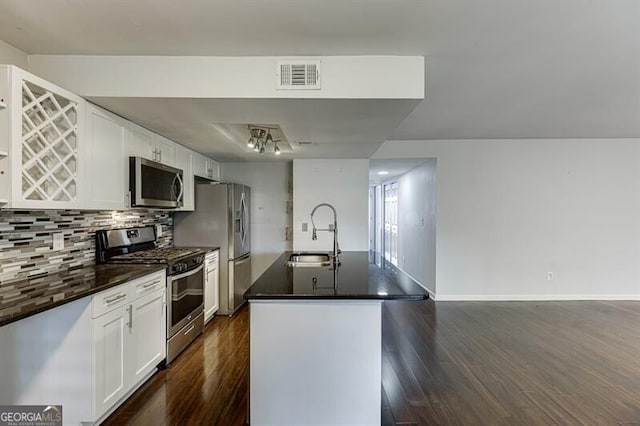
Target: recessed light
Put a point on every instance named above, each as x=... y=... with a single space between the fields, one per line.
x=383 y=172
x=383 y=293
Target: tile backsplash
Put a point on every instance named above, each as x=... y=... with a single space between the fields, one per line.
x=26 y=237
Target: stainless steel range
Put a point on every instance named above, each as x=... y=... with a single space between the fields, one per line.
x=185 y=278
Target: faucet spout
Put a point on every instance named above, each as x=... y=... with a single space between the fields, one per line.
x=314 y=236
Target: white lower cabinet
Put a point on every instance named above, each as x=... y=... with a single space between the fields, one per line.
x=88 y=355
x=211 y=285
x=149 y=331
x=111 y=338
x=129 y=340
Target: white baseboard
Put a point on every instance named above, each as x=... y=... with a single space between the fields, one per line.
x=432 y=295
x=532 y=297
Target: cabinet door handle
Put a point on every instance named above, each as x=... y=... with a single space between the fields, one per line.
x=130 y=323
x=115 y=299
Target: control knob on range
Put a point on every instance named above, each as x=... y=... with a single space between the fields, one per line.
x=179 y=267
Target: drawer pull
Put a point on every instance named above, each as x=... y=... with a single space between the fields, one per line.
x=145 y=286
x=190 y=329
x=115 y=299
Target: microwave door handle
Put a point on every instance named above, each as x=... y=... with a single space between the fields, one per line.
x=181 y=194
x=173 y=186
x=178 y=194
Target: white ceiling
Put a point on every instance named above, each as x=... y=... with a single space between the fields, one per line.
x=338 y=128
x=393 y=168
x=494 y=68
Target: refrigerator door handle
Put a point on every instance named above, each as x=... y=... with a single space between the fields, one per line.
x=243 y=218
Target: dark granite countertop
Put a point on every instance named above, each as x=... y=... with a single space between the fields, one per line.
x=356 y=278
x=27 y=297
x=205 y=249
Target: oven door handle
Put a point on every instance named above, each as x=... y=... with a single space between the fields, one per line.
x=186 y=274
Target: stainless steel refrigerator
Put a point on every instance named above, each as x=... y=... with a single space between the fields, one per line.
x=221 y=218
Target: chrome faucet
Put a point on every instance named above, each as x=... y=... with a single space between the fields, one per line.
x=314 y=235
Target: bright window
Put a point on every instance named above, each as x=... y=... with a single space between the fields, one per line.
x=391 y=222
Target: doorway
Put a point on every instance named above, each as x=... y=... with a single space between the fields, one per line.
x=402 y=216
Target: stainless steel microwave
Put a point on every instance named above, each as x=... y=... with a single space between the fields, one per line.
x=152 y=184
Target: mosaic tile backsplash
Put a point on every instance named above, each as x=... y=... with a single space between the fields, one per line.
x=26 y=237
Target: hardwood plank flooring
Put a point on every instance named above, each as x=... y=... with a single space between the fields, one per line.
x=470 y=363
x=512 y=362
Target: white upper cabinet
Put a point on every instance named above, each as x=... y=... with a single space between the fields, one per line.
x=199 y=165
x=106 y=158
x=206 y=167
x=147 y=144
x=58 y=151
x=165 y=150
x=140 y=142
x=213 y=169
x=184 y=161
x=41 y=143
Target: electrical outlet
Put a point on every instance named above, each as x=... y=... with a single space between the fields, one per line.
x=58 y=241
x=158 y=230
x=550 y=276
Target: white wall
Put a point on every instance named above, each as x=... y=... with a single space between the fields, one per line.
x=269 y=194
x=417 y=224
x=341 y=183
x=348 y=77
x=510 y=211
x=13 y=56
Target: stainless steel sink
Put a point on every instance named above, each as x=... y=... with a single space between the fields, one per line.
x=309 y=260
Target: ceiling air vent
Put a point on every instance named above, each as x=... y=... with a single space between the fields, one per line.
x=298 y=75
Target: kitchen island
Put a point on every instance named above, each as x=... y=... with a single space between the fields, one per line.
x=316 y=340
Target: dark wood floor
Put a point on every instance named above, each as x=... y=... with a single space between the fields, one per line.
x=443 y=363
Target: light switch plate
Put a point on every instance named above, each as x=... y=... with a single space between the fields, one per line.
x=58 y=241
x=305 y=227
x=158 y=230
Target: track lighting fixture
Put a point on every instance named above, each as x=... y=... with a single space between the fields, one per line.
x=260 y=138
